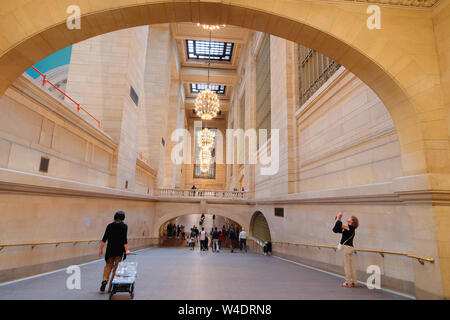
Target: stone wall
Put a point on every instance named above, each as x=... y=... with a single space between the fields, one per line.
x=101 y=73
x=46 y=218
x=346 y=137
x=35 y=125
x=384 y=225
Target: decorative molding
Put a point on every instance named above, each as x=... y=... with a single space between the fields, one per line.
x=146 y=167
x=411 y=190
x=322 y=91
x=12 y=181
x=404 y=3
x=25 y=88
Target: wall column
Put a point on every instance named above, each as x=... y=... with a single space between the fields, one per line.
x=101 y=73
x=153 y=120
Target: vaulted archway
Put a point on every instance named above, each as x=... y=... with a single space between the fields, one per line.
x=259 y=227
x=386 y=60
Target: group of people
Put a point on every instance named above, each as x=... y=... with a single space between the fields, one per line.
x=218 y=237
x=176 y=231
x=117 y=245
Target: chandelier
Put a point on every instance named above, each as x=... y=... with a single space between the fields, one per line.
x=207 y=103
x=205 y=159
x=210 y=27
x=206 y=138
x=207 y=106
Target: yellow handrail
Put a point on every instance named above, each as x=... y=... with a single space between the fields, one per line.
x=381 y=252
x=57 y=243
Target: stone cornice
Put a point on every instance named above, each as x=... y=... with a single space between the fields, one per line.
x=12 y=181
x=404 y=3
x=422 y=189
x=23 y=87
x=146 y=167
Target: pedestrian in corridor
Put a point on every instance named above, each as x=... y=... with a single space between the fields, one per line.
x=346 y=246
x=203 y=240
x=232 y=237
x=192 y=239
x=219 y=241
x=116 y=236
x=243 y=240
x=183 y=234
x=215 y=240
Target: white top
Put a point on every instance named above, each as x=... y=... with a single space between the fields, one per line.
x=243 y=235
x=203 y=235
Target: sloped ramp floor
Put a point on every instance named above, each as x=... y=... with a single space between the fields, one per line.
x=179 y=273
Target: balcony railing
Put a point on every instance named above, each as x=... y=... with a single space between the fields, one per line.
x=201 y=193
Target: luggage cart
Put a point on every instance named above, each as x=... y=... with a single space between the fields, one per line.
x=125 y=278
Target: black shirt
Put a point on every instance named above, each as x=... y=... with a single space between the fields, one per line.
x=347 y=235
x=116 y=235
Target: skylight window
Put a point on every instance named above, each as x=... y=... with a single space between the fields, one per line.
x=199 y=87
x=199 y=49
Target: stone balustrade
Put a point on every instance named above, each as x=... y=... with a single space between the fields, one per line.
x=201 y=193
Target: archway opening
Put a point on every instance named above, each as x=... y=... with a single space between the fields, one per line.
x=176 y=231
x=286 y=20
x=259 y=227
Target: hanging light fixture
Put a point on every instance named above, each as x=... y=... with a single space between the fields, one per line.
x=205 y=159
x=207 y=103
x=206 y=138
x=207 y=106
x=210 y=27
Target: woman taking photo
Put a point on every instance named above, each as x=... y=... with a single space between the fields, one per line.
x=346 y=245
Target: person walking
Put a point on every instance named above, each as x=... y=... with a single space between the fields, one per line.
x=203 y=240
x=206 y=242
x=267 y=248
x=116 y=236
x=192 y=239
x=232 y=237
x=346 y=246
x=219 y=241
x=215 y=239
x=243 y=240
x=169 y=231
x=224 y=232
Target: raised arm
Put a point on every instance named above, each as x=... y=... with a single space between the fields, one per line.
x=339 y=226
x=344 y=226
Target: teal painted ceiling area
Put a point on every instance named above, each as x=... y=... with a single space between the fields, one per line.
x=57 y=59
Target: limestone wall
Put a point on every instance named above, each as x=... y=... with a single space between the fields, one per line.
x=383 y=226
x=34 y=125
x=346 y=137
x=342 y=136
x=37 y=218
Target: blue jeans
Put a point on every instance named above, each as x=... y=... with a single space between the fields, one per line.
x=243 y=242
